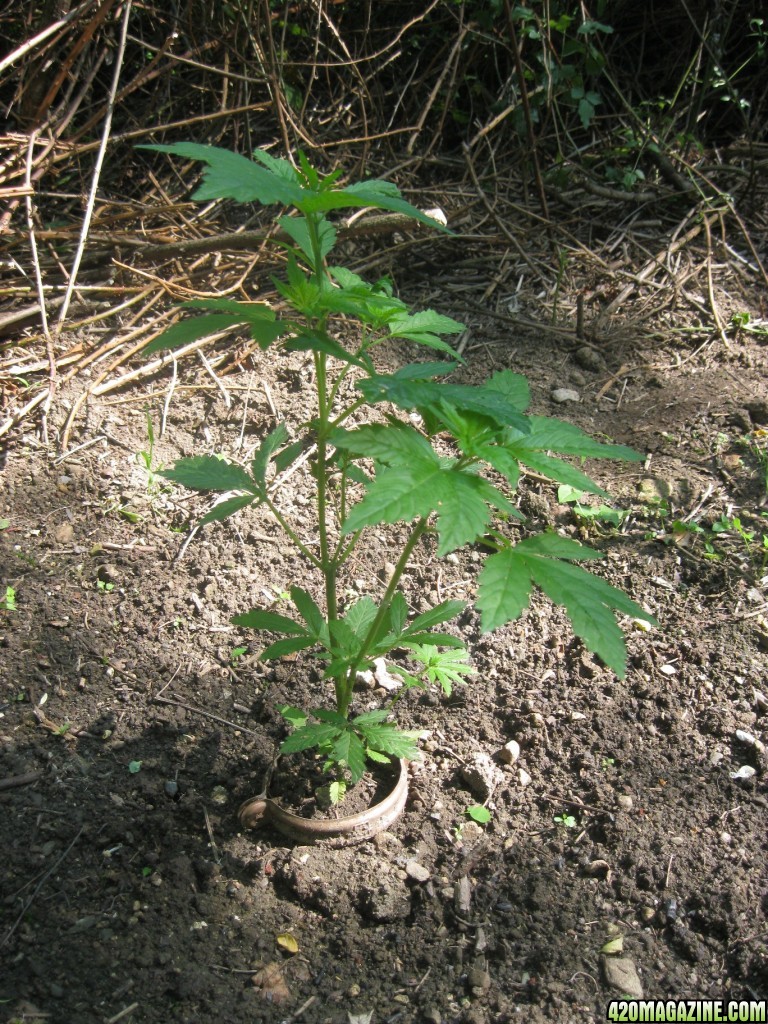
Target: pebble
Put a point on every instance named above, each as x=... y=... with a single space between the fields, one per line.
x=523 y=777
x=624 y=800
x=750 y=740
x=416 y=871
x=462 y=895
x=562 y=395
x=744 y=773
x=621 y=974
x=481 y=775
x=478 y=980
x=510 y=752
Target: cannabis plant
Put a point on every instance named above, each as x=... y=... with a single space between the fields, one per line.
x=407 y=447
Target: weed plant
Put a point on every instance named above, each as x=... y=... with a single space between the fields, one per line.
x=371 y=470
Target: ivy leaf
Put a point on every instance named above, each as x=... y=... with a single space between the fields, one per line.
x=207 y=473
x=546 y=560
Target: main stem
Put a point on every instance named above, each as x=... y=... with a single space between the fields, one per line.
x=344 y=684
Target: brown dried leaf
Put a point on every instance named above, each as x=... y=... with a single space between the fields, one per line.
x=271 y=980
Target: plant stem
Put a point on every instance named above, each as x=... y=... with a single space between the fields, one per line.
x=288 y=529
x=345 y=684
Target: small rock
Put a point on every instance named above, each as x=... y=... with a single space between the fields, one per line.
x=589 y=359
x=432 y=1015
x=624 y=800
x=577 y=716
x=749 y=740
x=64 y=534
x=621 y=974
x=390 y=901
x=478 y=980
x=219 y=796
x=523 y=777
x=562 y=395
x=510 y=752
x=744 y=773
x=416 y=871
x=481 y=775
x=462 y=895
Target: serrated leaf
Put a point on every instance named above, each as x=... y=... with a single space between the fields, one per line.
x=271 y=621
x=332 y=717
x=381 y=195
x=398 y=613
x=207 y=473
x=360 y=616
x=192 y=329
x=389 y=739
x=548 y=433
x=392 y=444
x=443 y=612
x=266 y=450
x=348 y=749
x=426 y=320
x=514 y=387
x=288 y=455
x=315 y=734
x=504 y=589
x=231 y=176
x=310 y=612
x=224 y=509
x=428 y=396
x=295 y=717
x=371 y=717
x=317 y=341
x=281 y=648
x=298 y=230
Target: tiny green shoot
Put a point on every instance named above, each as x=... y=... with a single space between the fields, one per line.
x=479 y=814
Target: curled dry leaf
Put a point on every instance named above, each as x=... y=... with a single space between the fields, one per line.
x=271 y=981
x=287 y=942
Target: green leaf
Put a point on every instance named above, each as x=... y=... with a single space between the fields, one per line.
x=332 y=717
x=288 y=455
x=349 y=750
x=294 y=716
x=443 y=612
x=393 y=444
x=271 y=621
x=429 y=396
x=291 y=645
x=310 y=612
x=207 y=473
x=319 y=341
x=266 y=450
x=192 y=329
x=398 y=613
x=388 y=739
x=374 y=717
x=513 y=386
x=382 y=195
x=225 y=509
x=504 y=589
x=547 y=433
x=315 y=734
x=232 y=176
x=505 y=583
x=402 y=493
x=298 y=230
x=479 y=814
x=360 y=616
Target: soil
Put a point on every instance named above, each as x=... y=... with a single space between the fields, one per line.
x=130 y=892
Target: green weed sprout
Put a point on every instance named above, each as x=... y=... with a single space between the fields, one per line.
x=368 y=472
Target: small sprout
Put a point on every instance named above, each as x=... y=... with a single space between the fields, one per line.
x=146 y=872
x=566 y=820
x=105 y=587
x=237 y=653
x=8 y=602
x=134 y=767
x=613 y=946
x=607 y=762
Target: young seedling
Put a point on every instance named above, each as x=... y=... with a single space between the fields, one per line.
x=378 y=457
